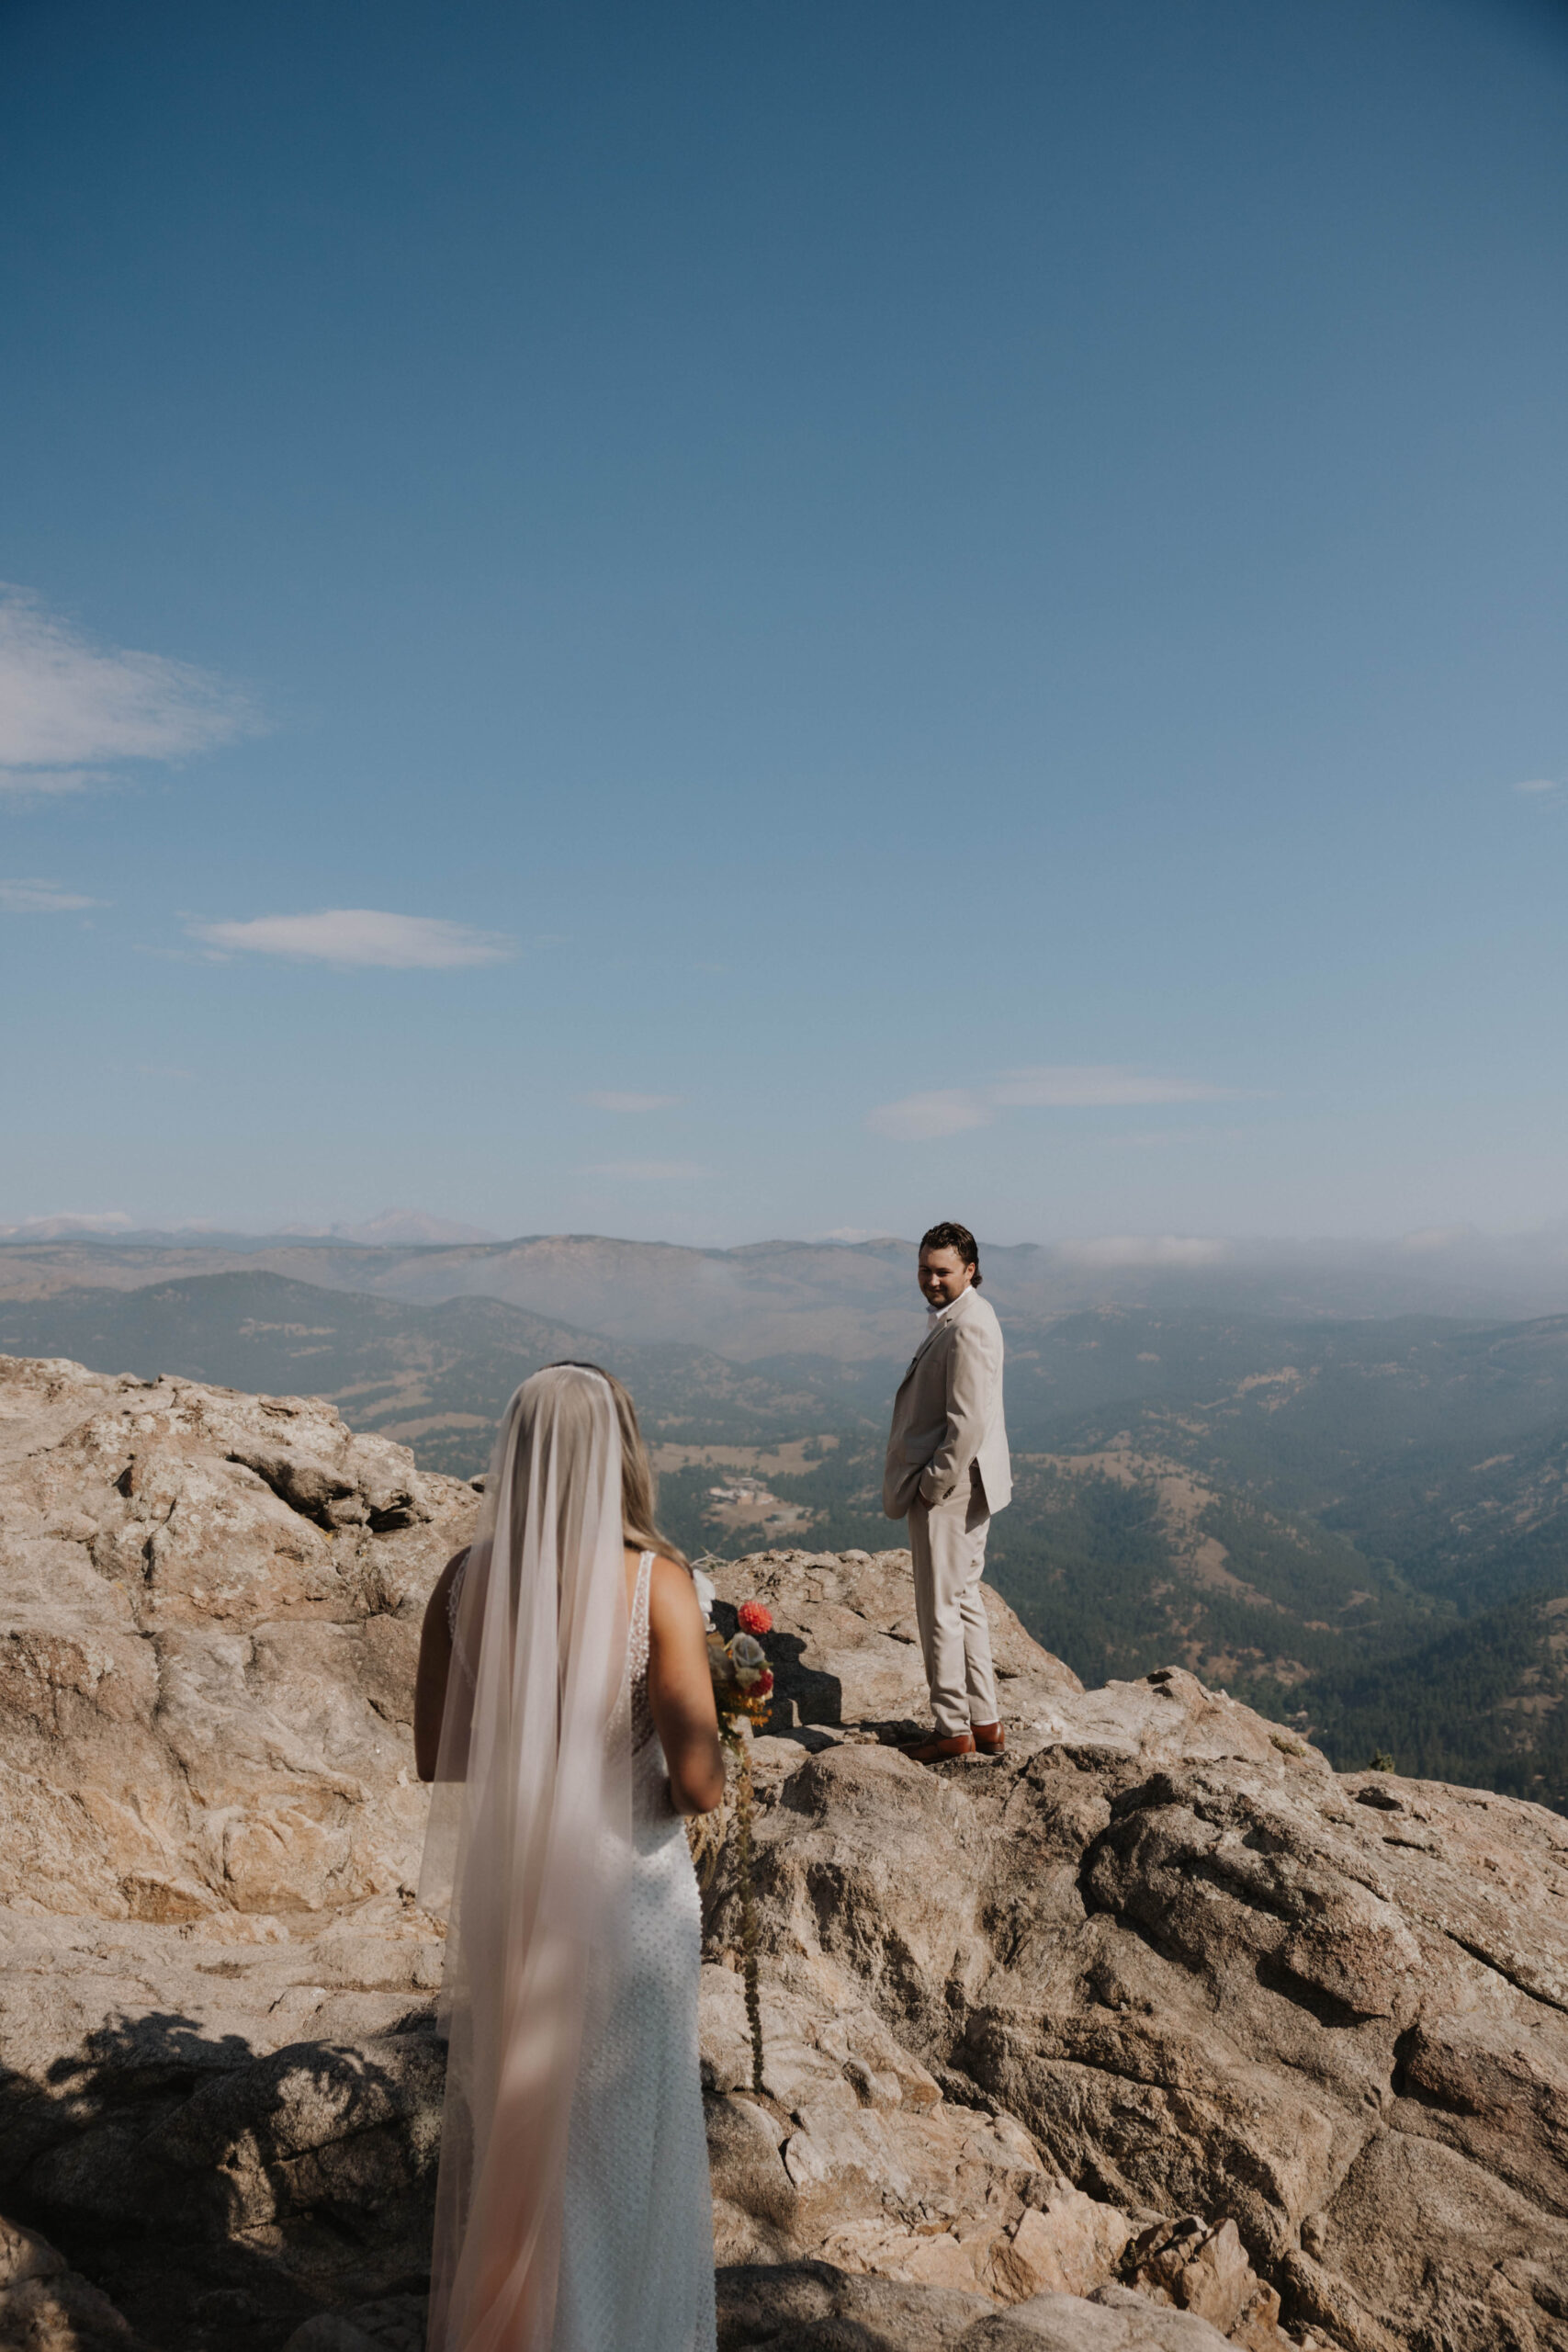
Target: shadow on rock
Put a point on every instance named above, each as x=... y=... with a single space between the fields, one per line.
x=216 y=2194
x=803 y=1693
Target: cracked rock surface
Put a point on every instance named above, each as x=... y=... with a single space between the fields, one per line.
x=219 y=2091
x=212 y=1606
x=1152 y=2035
x=1208 y=1977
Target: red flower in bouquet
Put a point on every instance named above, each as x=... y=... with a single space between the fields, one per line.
x=754 y=1617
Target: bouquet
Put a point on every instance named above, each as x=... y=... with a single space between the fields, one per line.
x=742 y=1691
x=742 y=1679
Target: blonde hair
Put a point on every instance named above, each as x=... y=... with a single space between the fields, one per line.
x=638 y=1486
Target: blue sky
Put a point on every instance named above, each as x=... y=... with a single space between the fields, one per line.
x=717 y=621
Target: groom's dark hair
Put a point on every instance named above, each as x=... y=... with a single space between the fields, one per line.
x=955 y=1237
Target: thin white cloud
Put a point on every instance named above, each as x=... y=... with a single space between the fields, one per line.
x=361 y=935
x=1146 y=1250
x=66 y=704
x=609 y=1100
x=34 y=783
x=41 y=899
x=65 y=1222
x=921 y=1116
x=649 y=1171
x=918 y=1118
x=1539 y=784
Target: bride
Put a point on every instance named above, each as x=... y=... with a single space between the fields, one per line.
x=565 y=1714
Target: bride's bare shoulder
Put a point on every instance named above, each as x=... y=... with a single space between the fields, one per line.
x=671 y=1595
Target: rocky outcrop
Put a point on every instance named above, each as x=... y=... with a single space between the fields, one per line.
x=212 y=1608
x=1208 y=1977
x=222 y=2135
x=215 y=1985
x=1152 y=2033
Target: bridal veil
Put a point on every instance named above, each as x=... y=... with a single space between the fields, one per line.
x=530 y=1825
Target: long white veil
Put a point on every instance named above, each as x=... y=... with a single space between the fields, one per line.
x=530 y=1822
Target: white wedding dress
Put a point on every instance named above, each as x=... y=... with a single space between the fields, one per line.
x=637 y=2225
x=636 y=2239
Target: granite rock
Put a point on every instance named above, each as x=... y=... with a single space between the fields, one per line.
x=45 y=2306
x=811 y=2307
x=1153 y=2032
x=1322 y=2020
x=211 y=1608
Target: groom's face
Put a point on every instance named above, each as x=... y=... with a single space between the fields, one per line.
x=943 y=1276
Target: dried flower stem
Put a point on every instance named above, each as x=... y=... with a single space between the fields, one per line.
x=749 y=1915
x=742 y=1686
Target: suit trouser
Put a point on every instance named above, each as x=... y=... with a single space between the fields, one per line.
x=948 y=1541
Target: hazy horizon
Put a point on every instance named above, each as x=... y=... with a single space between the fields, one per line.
x=1459 y=1271
x=395 y=1225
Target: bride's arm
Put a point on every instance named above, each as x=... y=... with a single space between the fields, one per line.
x=680 y=1690
x=434 y=1666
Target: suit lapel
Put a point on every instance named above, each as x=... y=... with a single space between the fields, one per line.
x=933 y=1334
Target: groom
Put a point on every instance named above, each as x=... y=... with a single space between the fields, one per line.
x=947 y=1468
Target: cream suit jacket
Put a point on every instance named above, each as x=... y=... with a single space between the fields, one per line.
x=947 y=1416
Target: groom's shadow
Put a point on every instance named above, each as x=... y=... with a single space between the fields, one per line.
x=802 y=1694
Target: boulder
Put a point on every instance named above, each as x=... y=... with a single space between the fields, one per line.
x=1324 y=2018
x=1153 y=2032
x=853 y=2156
x=811 y=2307
x=211 y=1608
x=45 y=2306
x=215 y=1983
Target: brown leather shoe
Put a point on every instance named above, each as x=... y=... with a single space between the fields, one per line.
x=990 y=1739
x=937 y=1750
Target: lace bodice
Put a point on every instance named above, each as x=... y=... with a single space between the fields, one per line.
x=453 y=1595
x=638 y=1650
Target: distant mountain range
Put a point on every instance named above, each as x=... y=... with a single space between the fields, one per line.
x=1361 y=1526
x=853 y=1300
x=392 y=1228
x=434 y=1377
